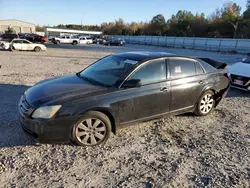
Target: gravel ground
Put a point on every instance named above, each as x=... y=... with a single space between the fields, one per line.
x=178 y=151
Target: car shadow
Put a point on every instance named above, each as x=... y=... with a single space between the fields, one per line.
x=10 y=130
x=233 y=92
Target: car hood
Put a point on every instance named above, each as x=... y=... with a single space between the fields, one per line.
x=242 y=69
x=60 y=89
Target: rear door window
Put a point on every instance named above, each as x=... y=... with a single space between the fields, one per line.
x=25 y=42
x=180 y=68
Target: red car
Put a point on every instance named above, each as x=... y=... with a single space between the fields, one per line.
x=36 y=38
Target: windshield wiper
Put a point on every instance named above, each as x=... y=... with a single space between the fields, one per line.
x=92 y=81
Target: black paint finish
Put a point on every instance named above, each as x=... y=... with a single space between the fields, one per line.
x=122 y=105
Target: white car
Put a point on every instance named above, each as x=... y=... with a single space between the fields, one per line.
x=240 y=74
x=23 y=44
x=66 y=39
x=5 y=45
x=85 y=40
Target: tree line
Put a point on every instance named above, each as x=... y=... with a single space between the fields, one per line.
x=224 y=22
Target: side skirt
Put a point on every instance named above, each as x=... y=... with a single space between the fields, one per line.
x=158 y=116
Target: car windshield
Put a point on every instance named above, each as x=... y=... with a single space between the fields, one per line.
x=108 y=70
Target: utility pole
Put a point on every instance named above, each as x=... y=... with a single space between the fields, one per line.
x=235 y=27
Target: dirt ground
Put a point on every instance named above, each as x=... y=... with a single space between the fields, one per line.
x=177 y=151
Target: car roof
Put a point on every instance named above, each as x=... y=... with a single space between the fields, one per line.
x=146 y=55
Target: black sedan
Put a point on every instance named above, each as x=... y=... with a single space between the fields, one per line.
x=118 y=90
x=115 y=42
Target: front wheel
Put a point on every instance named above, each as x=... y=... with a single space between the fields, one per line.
x=205 y=104
x=94 y=128
x=37 y=49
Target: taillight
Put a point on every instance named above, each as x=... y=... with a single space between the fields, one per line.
x=228 y=75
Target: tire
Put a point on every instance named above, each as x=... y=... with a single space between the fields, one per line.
x=205 y=103
x=85 y=131
x=12 y=49
x=58 y=42
x=37 y=49
x=74 y=43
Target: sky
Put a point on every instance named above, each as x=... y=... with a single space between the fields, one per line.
x=92 y=12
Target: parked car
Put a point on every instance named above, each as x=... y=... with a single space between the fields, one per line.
x=99 y=41
x=22 y=35
x=5 y=45
x=8 y=37
x=118 y=90
x=240 y=74
x=36 y=38
x=66 y=39
x=85 y=40
x=25 y=45
x=115 y=42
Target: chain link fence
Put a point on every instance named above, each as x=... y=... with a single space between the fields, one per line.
x=207 y=44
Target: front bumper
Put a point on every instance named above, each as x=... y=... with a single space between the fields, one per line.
x=48 y=131
x=240 y=82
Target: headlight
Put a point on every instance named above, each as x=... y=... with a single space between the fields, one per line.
x=46 y=112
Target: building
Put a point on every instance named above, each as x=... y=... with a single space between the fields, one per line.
x=54 y=31
x=17 y=26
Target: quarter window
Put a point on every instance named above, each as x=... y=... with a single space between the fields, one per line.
x=199 y=70
x=182 y=68
x=151 y=72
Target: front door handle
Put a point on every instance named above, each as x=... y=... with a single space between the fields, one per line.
x=164 y=89
x=201 y=82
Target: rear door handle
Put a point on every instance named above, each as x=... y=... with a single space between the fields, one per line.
x=164 y=89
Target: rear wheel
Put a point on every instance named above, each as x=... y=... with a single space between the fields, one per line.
x=37 y=49
x=94 y=128
x=205 y=104
x=74 y=43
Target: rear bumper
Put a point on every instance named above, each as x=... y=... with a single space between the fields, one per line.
x=221 y=95
x=48 y=131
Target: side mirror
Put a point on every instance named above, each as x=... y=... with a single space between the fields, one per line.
x=132 y=83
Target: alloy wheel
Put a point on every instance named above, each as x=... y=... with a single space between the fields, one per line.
x=206 y=103
x=91 y=131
